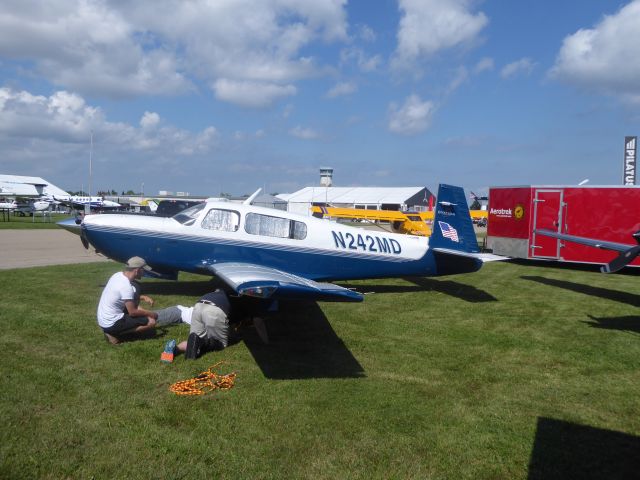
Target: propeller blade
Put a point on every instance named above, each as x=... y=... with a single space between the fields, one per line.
x=622 y=260
x=83 y=239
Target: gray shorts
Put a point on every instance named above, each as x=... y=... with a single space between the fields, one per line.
x=211 y=323
x=168 y=316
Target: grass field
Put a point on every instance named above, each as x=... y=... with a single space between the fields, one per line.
x=38 y=222
x=512 y=372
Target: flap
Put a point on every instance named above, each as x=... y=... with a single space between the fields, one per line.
x=265 y=282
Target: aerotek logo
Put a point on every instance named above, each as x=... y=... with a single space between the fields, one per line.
x=501 y=212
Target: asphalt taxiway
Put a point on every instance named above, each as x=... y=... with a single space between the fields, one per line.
x=38 y=248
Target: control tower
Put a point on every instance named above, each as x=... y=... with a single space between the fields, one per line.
x=326 y=176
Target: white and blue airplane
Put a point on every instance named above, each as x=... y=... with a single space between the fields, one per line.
x=272 y=254
x=79 y=202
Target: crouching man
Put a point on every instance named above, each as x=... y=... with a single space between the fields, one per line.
x=209 y=325
x=118 y=310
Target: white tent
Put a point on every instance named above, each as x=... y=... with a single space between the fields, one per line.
x=20 y=186
x=378 y=198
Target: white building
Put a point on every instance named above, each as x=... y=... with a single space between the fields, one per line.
x=20 y=186
x=371 y=198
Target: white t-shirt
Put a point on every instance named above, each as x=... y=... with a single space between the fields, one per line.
x=185 y=313
x=111 y=307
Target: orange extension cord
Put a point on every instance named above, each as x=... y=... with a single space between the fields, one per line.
x=207 y=381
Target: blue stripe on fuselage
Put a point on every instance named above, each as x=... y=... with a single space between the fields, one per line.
x=191 y=253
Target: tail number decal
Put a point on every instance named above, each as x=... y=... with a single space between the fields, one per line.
x=366 y=243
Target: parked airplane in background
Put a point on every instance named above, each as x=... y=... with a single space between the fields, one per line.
x=8 y=205
x=271 y=254
x=628 y=253
x=79 y=202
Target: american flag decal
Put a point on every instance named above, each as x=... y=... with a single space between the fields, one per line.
x=448 y=231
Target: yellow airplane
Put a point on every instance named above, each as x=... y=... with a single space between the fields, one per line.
x=412 y=223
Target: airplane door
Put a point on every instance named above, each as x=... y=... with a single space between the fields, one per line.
x=547 y=215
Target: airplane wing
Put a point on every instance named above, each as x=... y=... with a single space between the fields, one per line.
x=592 y=242
x=264 y=282
x=627 y=252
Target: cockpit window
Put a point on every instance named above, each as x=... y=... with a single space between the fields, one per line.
x=188 y=216
x=222 y=220
x=269 y=226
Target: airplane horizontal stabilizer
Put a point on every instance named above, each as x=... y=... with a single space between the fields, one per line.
x=268 y=283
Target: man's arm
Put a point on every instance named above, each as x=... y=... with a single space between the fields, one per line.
x=134 y=311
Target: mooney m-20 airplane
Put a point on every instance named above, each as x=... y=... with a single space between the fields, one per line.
x=628 y=253
x=271 y=254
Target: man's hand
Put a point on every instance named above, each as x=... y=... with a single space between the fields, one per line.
x=147 y=299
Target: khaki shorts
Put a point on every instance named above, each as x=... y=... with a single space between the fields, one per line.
x=211 y=323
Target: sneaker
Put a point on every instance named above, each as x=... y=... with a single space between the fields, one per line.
x=169 y=351
x=194 y=345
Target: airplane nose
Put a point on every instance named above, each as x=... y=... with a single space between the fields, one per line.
x=70 y=225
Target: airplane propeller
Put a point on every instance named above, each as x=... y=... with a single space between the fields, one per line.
x=624 y=259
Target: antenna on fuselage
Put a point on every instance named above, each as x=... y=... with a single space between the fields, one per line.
x=252 y=197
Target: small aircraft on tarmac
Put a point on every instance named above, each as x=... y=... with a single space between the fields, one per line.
x=79 y=202
x=272 y=254
x=627 y=252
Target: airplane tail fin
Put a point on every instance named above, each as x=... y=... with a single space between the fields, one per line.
x=452 y=225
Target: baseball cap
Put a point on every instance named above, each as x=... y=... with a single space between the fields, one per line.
x=138 y=262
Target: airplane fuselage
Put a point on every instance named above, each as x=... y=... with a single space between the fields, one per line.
x=223 y=232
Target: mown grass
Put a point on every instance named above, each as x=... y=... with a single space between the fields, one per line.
x=512 y=372
x=38 y=222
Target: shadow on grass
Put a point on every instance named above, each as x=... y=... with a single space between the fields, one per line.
x=464 y=292
x=568 y=450
x=302 y=344
x=170 y=287
x=630 y=323
x=615 y=295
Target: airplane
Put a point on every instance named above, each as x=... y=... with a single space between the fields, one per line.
x=628 y=253
x=8 y=205
x=412 y=223
x=79 y=202
x=271 y=254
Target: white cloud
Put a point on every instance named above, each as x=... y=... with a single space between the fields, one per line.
x=65 y=119
x=149 y=120
x=251 y=94
x=604 y=58
x=524 y=66
x=483 y=65
x=304 y=133
x=114 y=48
x=358 y=57
x=411 y=118
x=342 y=88
x=430 y=26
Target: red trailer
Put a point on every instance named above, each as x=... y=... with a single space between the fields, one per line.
x=609 y=213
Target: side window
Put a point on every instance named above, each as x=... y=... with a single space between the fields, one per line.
x=222 y=220
x=269 y=226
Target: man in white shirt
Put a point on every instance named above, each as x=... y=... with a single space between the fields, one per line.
x=118 y=310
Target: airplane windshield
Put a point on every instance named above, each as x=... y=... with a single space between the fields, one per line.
x=188 y=216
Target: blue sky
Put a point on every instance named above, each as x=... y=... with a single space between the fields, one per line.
x=230 y=95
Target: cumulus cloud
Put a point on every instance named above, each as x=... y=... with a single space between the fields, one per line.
x=430 y=26
x=114 y=48
x=604 y=58
x=66 y=119
x=304 y=133
x=342 y=88
x=413 y=117
x=524 y=66
x=251 y=94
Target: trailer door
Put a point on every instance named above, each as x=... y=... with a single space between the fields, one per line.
x=547 y=215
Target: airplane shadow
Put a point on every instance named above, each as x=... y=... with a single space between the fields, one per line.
x=615 y=295
x=171 y=287
x=464 y=292
x=630 y=323
x=301 y=345
x=567 y=450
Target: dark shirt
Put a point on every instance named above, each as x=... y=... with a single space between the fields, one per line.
x=219 y=298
